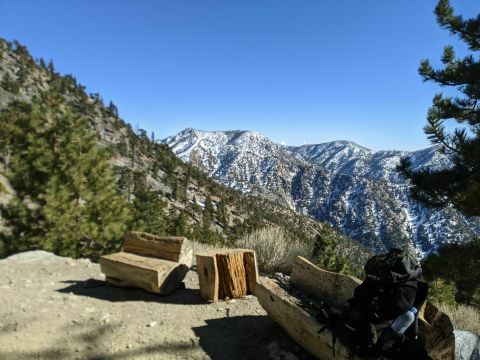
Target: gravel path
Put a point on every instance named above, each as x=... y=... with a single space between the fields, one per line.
x=58 y=308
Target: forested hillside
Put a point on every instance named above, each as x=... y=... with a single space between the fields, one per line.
x=354 y=189
x=75 y=177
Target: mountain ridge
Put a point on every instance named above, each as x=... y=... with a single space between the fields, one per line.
x=355 y=189
x=166 y=195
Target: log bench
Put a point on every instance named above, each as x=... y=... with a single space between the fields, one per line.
x=227 y=273
x=157 y=264
x=289 y=311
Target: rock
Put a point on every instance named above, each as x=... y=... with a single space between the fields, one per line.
x=105 y=319
x=152 y=324
x=277 y=353
x=29 y=256
x=467 y=345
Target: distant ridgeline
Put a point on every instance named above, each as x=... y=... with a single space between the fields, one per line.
x=75 y=177
x=356 y=190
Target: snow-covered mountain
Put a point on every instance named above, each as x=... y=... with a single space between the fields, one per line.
x=353 y=188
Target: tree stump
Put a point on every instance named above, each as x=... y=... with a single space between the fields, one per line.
x=226 y=274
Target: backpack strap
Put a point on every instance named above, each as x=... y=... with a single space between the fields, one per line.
x=420 y=298
x=331 y=320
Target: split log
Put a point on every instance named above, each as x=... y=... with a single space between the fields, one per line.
x=317 y=283
x=251 y=268
x=159 y=276
x=301 y=325
x=153 y=263
x=207 y=271
x=171 y=248
x=436 y=330
x=225 y=274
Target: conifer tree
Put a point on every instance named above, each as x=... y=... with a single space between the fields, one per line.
x=66 y=200
x=148 y=208
x=112 y=108
x=458 y=264
x=326 y=255
x=458 y=185
x=209 y=209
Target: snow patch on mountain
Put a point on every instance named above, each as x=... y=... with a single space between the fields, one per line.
x=353 y=188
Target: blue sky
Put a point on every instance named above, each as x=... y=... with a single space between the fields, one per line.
x=296 y=71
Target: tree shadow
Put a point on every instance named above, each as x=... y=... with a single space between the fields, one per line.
x=103 y=291
x=248 y=337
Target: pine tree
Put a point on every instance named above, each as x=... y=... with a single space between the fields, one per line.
x=326 y=255
x=66 y=200
x=458 y=185
x=458 y=264
x=148 y=208
x=209 y=209
x=112 y=109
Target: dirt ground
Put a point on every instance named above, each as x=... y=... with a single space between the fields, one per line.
x=58 y=308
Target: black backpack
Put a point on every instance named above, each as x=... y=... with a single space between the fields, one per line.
x=394 y=267
x=389 y=289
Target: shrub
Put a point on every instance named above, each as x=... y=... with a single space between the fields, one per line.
x=442 y=292
x=274 y=250
x=463 y=317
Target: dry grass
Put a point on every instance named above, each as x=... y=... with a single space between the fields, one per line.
x=274 y=250
x=198 y=246
x=463 y=317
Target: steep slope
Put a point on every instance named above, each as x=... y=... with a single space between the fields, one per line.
x=356 y=190
x=176 y=197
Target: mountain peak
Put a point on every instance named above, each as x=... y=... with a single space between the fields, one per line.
x=355 y=189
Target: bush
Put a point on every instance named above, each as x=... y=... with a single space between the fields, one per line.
x=442 y=292
x=274 y=250
x=463 y=317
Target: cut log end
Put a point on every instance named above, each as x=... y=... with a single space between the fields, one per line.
x=226 y=273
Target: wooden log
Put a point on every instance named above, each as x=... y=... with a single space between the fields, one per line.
x=302 y=326
x=172 y=248
x=251 y=270
x=317 y=283
x=159 y=276
x=436 y=330
x=208 y=276
x=232 y=275
x=226 y=273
